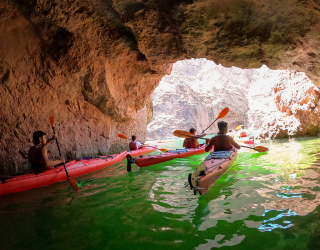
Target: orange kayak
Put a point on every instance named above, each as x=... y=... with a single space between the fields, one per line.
x=168 y=156
x=209 y=171
x=50 y=176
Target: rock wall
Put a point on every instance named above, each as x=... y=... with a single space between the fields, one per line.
x=94 y=64
x=57 y=59
x=269 y=101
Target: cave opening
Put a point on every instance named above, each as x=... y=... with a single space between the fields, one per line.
x=270 y=103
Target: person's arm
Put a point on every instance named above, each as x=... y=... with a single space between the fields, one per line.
x=209 y=145
x=233 y=142
x=47 y=162
x=138 y=144
x=50 y=140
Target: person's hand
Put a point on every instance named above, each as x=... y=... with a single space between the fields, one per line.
x=54 y=137
x=62 y=159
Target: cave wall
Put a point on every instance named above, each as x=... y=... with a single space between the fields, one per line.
x=57 y=60
x=94 y=64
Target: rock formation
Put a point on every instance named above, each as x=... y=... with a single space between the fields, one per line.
x=94 y=64
x=269 y=101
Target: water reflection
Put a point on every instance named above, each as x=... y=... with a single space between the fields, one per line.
x=267 y=226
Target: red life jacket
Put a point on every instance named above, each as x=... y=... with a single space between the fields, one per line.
x=189 y=143
x=133 y=145
x=222 y=142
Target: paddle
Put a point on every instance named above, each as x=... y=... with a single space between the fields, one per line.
x=72 y=183
x=222 y=114
x=185 y=134
x=161 y=149
x=257 y=148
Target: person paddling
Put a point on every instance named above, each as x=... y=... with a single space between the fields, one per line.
x=221 y=141
x=38 y=154
x=134 y=144
x=193 y=142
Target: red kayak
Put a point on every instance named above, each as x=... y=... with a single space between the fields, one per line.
x=141 y=151
x=168 y=156
x=50 y=176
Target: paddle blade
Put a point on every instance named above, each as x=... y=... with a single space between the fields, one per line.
x=73 y=185
x=122 y=136
x=260 y=149
x=182 y=134
x=52 y=121
x=239 y=127
x=223 y=113
x=163 y=149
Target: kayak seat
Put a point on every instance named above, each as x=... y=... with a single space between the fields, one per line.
x=179 y=151
x=219 y=155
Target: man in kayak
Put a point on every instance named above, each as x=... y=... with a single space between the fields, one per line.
x=38 y=154
x=222 y=141
x=193 y=142
x=134 y=144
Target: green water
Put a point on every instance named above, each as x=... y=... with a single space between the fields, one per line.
x=265 y=201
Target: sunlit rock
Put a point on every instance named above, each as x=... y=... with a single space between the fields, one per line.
x=264 y=100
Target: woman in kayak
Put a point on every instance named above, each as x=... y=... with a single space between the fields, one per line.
x=221 y=141
x=134 y=144
x=193 y=142
x=38 y=154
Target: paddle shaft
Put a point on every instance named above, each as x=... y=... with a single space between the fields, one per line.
x=210 y=124
x=194 y=136
x=246 y=146
x=64 y=165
